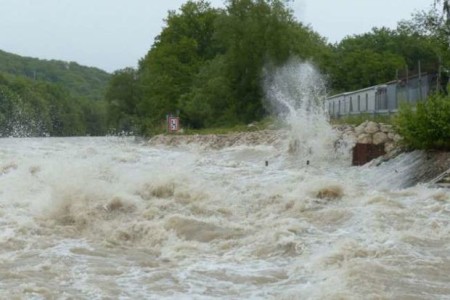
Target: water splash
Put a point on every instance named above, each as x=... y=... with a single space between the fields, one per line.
x=296 y=93
x=20 y=124
x=18 y=118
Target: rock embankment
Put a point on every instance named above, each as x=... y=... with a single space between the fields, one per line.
x=219 y=141
x=366 y=133
x=370 y=132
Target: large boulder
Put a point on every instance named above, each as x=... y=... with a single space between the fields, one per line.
x=365 y=138
x=361 y=128
x=371 y=128
x=389 y=147
x=380 y=138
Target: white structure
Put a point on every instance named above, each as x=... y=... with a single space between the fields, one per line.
x=352 y=102
x=380 y=99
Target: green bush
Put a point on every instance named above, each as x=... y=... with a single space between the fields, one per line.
x=427 y=125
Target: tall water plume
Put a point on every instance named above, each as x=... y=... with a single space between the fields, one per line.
x=295 y=93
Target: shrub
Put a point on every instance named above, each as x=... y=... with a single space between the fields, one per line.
x=427 y=125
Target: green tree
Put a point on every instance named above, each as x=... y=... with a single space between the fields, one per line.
x=445 y=9
x=167 y=71
x=433 y=27
x=121 y=97
x=378 y=56
x=94 y=117
x=254 y=35
x=208 y=63
x=209 y=102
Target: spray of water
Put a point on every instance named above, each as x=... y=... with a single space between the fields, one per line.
x=17 y=119
x=295 y=93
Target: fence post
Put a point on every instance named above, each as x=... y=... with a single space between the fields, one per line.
x=407 y=84
x=420 y=82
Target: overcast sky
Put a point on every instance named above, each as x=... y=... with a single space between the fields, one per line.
x=113 y=34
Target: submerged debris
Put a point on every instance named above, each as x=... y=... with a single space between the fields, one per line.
x=333 y=192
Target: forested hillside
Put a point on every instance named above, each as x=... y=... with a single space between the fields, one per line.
x=38 y=108
x=39 y=98
x=80 y=81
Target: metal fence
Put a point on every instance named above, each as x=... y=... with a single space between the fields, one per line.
x=382 y=99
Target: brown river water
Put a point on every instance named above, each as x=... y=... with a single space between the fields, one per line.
x=110 y=218
x=208 y=218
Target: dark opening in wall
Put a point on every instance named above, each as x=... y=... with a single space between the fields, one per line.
x=363 y=153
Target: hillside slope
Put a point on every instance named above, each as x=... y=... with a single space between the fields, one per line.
x=80 y=81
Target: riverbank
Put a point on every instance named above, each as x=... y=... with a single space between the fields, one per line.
x=220 y=141
x=365 y=133
x=424 y=165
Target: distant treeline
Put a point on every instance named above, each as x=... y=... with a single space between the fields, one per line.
x=80 y=81
x=208 y=64
x=40 y=97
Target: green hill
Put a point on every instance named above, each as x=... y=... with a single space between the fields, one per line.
x=80 y=81
x=49 y=97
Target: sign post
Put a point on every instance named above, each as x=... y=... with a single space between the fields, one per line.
x=173 y=124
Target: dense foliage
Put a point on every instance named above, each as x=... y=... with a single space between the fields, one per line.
x=36 y=108
x=426 y=126
x=384 y=54
x=122 y=97
x=80 y=81
x=55 y=98
x=207 y=64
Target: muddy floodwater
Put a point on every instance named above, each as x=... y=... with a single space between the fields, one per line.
x=268 y=215
x=110 y=218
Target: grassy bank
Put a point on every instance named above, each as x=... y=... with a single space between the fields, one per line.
x=267 y=123
x=358 y=119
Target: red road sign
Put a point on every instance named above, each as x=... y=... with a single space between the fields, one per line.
x=173 y=124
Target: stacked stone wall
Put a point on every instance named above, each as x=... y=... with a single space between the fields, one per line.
x=370 y=132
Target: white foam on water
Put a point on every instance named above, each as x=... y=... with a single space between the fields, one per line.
x=111 y=218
